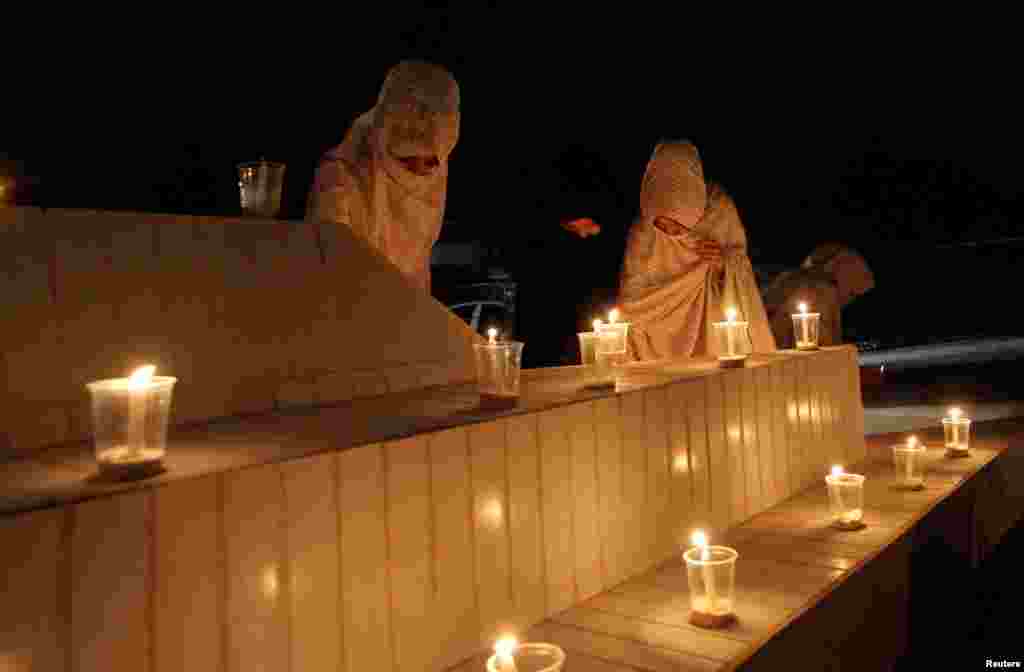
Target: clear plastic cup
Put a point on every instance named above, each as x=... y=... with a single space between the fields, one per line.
x=957 y=435
x=609 y=354
x=909 y=462
x=592 y=377
x=846 y=500
x=498 y=367
x=259 y=186
x=733 y=343
x=805 y=330
x=130 y=423
x=712 y=580
x=530 y=657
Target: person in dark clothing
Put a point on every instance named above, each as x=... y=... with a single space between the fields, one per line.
x=570 y=256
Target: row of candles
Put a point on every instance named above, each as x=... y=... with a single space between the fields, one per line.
x=604 y=349
x=711 y=570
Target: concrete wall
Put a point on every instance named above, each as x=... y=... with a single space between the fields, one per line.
x=415 y=554
x=247 y=313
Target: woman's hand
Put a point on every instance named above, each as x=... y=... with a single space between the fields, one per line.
x=710 y=251
x=582 y=227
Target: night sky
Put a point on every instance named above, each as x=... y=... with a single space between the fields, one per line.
x=890 y=136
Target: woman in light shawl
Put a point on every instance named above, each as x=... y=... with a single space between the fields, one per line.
x=388 y=179
x=686 y=262
x=827 y=281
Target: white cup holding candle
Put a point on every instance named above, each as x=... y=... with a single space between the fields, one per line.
x=957 y=432
x=498 y=365
x=593 y=376
x=130 y=417
x=711 y=575
x=909 y=460
x=510 y=656
x=614 y=326
x=846 y=499
x=805 y=328
x=733 y=340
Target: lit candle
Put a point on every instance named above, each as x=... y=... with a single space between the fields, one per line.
x=597 y=325
x=503 y=650
x=803 y=323
x=700 y=540
x=138 y=388
x=492 y=335
x=954 y=415
x=730 y=343
x=613 y=315
x=908 y=465
x=837 y=471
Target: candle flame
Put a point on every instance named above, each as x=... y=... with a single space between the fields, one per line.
x=597 y=325
x=730 y=314
x=613 y=315
x=955 y=413
x=911 y=441
x=699 y=539
x=492 y=334
x=505 y=646
x=142 y=375
x=802 y=308
x=837 y=470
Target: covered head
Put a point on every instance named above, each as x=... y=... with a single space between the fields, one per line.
x=417 y=113
x=847 y=268
x=673 y=185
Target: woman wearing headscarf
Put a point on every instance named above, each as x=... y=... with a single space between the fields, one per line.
x=388 y=179
x=686 y=262
x=830 y=278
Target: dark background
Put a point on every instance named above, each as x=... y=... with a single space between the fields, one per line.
x=895 y=135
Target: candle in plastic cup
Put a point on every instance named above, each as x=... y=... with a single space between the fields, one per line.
x=498 y=365
x=846 y=497
x=711 y=575
x=909 y=460
x=805 y=326
x=732 y=339
x=957 y=432
x=510 y=656
x=130 y=417
x=609 y=354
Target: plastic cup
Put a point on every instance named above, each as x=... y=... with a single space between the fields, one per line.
x=733 y=342
x=130 y=423
x=909 y=462
x=957 y=435
x=805 y=330
x=530 y=657
x=846 y=500
x=498 y=367
x=259 y=186
x=712 y=580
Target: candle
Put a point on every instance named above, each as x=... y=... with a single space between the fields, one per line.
x=837 y=471
x=492 y=335
x=908 y=466
x=730 y=343
x=613 y=315
x=803 y=323
x=130 y=420
x=700 y=540
x=139 y=384
x=957 y=430
x=503 y=650
x=846 y=507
